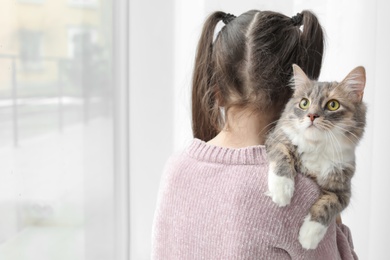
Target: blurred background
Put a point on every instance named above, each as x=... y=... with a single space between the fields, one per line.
x=95 y=96
x=57 y=146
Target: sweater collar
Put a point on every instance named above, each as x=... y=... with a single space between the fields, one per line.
x=252 y=155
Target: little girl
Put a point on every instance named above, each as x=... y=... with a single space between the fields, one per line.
x=212 y=202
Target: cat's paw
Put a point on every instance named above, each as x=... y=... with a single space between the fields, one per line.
x=311 y=233
x=280 y=188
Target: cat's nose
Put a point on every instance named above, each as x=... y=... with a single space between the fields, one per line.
x=313 y=116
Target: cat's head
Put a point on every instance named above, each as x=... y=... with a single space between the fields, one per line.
x=327 y=111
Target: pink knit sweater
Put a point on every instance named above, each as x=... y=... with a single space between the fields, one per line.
x=212 y=205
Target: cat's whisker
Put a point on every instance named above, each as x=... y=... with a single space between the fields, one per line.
x=338 y=158
x=329 y=142
x=339 y=150
x=357 y=127
x=349 y=132
x=350 y=140
x=278 y=132
x=345 y=131
x=272 y=123
x=346 y=125
x=332 y=143
x=285 y=121
x=324 y=126
x=327 y=130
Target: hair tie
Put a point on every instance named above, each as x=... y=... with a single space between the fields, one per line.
x=297 y=19
x=227 y=18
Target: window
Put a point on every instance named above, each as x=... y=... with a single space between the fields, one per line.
x=80 y=40
x=32 y=1
x=83 y=3
x=58 y=156
x=31 y=49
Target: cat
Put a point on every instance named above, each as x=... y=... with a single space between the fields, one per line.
x=316 y=136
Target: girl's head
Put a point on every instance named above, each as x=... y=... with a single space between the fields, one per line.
x=249 y=65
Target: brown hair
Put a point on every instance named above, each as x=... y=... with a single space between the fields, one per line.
x=249 y=65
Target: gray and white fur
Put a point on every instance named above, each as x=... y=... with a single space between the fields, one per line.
x=316 y=136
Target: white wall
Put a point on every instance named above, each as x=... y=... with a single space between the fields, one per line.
x=356 y=35
x=151 y=112
x=379 y=210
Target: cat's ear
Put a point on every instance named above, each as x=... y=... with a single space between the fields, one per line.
x=299 y=79
x=355 y=82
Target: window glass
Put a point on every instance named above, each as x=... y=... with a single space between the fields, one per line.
x=56 y=130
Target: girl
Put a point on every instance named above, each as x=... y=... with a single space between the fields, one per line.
x=212 y=203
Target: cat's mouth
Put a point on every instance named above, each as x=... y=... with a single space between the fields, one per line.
x=313 y=133
x=313 y=128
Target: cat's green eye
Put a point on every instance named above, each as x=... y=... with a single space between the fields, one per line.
x=304 y=104
x=333 y=105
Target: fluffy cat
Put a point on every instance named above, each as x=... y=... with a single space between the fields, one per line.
x=316 y=136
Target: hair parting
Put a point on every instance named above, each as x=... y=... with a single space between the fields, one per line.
x=249 y=64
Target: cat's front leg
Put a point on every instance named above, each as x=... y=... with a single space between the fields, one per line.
x=280 y=185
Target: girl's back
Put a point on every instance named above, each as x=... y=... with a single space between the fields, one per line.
x=212 y=206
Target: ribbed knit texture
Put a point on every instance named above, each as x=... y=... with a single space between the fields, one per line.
x=211 y=205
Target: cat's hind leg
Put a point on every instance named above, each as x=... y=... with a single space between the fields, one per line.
x=322 y=213
x=311 y=233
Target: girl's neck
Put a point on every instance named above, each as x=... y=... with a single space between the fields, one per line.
x=244 y=128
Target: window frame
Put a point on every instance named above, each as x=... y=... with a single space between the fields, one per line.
x=32 y=1
x=121 y=127
x=77 y=3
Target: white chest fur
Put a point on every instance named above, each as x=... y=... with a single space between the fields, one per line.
x=321 y=155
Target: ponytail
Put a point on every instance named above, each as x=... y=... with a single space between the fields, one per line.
x=250 y=64
x=205 y=111
x=312 y=45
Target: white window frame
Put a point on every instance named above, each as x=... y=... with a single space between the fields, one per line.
x=121 y=128
x=31 y=1
x=84 y=3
